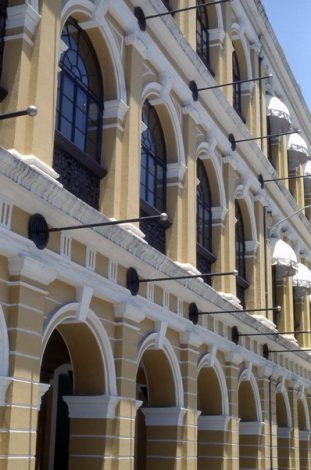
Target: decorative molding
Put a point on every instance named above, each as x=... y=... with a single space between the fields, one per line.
x=115 y=109
x=213 y=423
x=43 y=388
x=38 y=165
x=135 y=40
x=22 y=17
x=5 y=213
x=84 y=296
x=4 y=385
x=176 y=171
x=170 y=416
x=252 y=428
x=127 y=311
x=284 y=432
x=91 y=406
x=32 y=269
x=65 y=245
x=161 y=328
x=304 y=434
x=191 y=338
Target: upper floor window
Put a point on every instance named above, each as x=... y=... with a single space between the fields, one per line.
x=204 y=221
x=241 y=283
x=167 y=3
x=202 y=34
x=79 y=114
x=153 y=175
x=3 y=18
x=236 y=77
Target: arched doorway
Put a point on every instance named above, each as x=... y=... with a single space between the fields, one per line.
x=212 y=422
x=72 y=365
x=284 y=431
x=159 y=418
x=53 y=422
x=250 y=431
x=304 y=431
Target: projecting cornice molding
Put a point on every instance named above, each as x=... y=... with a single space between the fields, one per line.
x=32 y=269
x=22 y=23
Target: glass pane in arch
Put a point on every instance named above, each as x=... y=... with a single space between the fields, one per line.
x=153 y=160
x=204 y=208
x=202 y=34
x=236 y=77
x=80 y=92
x=240 y=250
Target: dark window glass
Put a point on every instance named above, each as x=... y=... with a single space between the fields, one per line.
x=80 y=92
x=167 y=3
x=203 y=35
x=79 y=111
x=236 y=77
x=241 y=283
x=3 y=18
x=205 y=258
x=153 y=176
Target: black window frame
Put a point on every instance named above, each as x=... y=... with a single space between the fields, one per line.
x=79 y=113
x=240 y=254
x=202 y=36
x=204 y=222
x=153 y=169
x=237 y=90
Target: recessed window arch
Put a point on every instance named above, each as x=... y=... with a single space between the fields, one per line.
x=3 y=19
x=202 y=34
x=205 y=258
x=153 y=176
x=236 y=77
x=79 y=115
x=240 y=254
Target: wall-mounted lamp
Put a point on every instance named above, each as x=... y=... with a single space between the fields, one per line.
x=30 y=111
x=235 y=334
x=194 y=312
x=38 y=230
x=195 y=90
x=262 y=181
x=142 y=19
x=233 y=141
x=133 y=281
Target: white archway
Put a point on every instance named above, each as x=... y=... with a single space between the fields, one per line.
x=67 y=314
x=208 y=361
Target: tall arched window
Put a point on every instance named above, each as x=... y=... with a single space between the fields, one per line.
x=153 y=176
x=236 y=77
x=3 y=18
x=205 y=258
x=79 y=116
x=203 y=35
x=241 y=282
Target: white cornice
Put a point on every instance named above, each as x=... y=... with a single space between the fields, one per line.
x=91 y=407
x=32 y=269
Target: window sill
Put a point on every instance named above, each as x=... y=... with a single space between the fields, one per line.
x=82 y=157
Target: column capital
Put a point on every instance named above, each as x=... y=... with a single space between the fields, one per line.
x=31 y=268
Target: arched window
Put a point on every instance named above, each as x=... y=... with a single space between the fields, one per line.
x=167 y=3
x=79 y=116
x=205 y=258
x=236 y=77
x=203 y=34
x=153 y=176
x=3 y=18
x=241 y=283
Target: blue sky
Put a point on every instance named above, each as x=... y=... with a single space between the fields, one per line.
x=290 y=20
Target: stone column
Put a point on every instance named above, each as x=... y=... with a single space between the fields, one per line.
x=28 y=281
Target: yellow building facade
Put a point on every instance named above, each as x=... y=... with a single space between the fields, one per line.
x=103 y=365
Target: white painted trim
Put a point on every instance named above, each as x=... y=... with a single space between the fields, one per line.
x=31 y=268
x=68 y=313
x=4 y=348
x=213 y=423
x=4 y=385
x=210 y=360
x=304 y=434
x=247 y=375
x=127 y=311
x=252 y=428
x=170 y=416
x=150 y=342
x=280 y=388
x=284 y=432
x=92 y=407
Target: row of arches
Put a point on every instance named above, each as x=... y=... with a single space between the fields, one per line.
x=67 y=371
